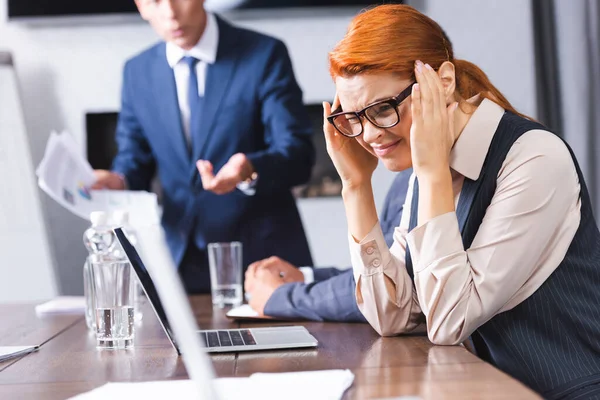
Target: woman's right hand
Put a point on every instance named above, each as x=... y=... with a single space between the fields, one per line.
x=354 y=164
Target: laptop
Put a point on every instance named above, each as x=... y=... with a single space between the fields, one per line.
x=159 y=266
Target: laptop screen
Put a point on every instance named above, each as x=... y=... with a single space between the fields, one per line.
x=147 y=284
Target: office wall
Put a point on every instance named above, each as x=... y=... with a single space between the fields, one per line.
x=497 y=36
x=22 y=223
x=66 y=70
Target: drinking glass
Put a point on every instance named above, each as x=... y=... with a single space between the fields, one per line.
x=225 y=264
x=112 y=287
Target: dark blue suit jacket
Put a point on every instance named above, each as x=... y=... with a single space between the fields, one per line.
x=331 y=297
x=252 y=105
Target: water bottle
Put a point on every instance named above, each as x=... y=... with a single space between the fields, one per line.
x=99 y=240
x=120 y=219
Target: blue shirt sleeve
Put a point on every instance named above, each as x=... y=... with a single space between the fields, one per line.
x=329 y=300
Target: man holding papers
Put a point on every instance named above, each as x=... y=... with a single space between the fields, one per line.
x=217 y=112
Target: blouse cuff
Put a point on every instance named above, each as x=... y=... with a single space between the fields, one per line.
x=436 y=239
x=371 y=254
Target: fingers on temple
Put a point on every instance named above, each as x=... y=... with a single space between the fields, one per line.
x=416 y=109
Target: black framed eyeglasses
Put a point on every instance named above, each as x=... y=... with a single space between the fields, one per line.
x=382 y=114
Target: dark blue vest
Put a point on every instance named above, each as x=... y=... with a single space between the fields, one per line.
x=551 y=341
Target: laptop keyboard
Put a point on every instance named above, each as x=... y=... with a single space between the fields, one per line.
x=228 y=338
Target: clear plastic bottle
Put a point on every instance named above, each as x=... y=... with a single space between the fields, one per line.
x=99 y=240
x=120 y=219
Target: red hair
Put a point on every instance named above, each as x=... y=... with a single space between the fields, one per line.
x=390 y=38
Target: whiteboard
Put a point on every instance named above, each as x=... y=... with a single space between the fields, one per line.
x=26 y=265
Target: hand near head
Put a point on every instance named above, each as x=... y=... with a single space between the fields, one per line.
x=354 y=164
x=265 y=276
x=432 y=132
x=237 y=169
x=108 y=180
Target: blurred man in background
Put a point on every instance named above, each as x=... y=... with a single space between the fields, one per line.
x=217 y=112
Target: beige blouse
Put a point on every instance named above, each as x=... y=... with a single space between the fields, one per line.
x=524 y=235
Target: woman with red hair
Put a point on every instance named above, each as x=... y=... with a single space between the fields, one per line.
x=497 y=241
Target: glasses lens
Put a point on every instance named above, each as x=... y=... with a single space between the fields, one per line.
x=348 y=124
x=383 y=115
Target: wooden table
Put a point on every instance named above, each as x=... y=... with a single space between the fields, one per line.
x=68 y=362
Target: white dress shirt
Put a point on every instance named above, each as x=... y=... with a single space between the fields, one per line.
x=308 y=273
x=206 y=52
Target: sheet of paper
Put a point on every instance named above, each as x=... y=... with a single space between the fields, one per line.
x=243 y=311
x=8 y=352
x=62 y=305
x=313 y=385
x=142 y=206
x=66 y=177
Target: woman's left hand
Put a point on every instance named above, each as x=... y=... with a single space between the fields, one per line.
x=432 y=131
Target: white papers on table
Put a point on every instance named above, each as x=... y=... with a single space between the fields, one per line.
x=62 y=305
x=8 y=352
x=66 y=176
x=243 y=311
x=313 y=385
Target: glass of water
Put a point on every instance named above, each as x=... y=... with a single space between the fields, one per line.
x=112 y=286
x=225 y=264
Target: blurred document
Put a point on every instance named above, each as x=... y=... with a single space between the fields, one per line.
x=62 y=305
x=8 y=352
x=66 y=177
x=313 y=385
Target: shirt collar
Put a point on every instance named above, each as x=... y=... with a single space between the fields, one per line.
x=469 y=151
x=205 y=49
